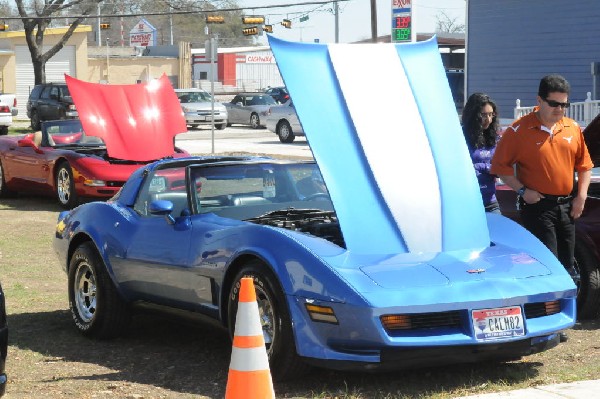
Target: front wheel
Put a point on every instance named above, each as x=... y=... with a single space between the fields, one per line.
x=4 y=191
x=254 y=121
x=97 y=309
x=276 y=323
x=222 y=126
x=65 y=186
x=285 y=133
x=3 y=130
x=587 y=279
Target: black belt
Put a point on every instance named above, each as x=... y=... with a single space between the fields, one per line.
x=559 y=199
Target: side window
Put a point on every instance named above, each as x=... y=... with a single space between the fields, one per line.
x=46 y=93
x=164 y=184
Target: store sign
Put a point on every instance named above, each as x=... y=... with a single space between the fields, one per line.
x=259 y=59
x=143 y=34
x=401 y=21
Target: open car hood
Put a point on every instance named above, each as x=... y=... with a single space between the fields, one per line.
x=384 y=131
x=137 y=122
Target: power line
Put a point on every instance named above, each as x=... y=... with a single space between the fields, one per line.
x=141 y=14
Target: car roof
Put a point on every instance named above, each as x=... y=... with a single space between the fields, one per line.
x=194 y=89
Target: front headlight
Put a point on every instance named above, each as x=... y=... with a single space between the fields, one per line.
x=186 y=109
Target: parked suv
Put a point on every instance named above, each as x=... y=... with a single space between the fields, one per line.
x=50 y=101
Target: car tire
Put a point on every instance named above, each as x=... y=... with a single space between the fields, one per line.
x=96 y=307
x=276 y=322
x=65 y=186
x=194 y=126
x=4 y=191
x=3 y=130
x=35 y=120
x=254 y=121
x=222 y=126
x=588 y=286
x=285 y=133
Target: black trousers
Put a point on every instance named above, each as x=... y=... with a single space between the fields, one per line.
x=551 y=222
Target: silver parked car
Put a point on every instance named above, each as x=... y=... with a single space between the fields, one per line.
x=283 y=121
x=249 y=109
x=197 y=106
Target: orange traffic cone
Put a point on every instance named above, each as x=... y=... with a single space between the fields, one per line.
x=249 y=375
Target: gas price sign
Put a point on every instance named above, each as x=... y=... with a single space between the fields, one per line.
x=401 y=21
x=401 y=29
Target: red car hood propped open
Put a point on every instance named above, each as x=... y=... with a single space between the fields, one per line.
x=137 y=122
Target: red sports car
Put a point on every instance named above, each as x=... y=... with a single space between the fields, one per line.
x=121 y=128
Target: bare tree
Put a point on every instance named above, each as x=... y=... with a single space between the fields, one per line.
x=37 y=16
x=448 y=25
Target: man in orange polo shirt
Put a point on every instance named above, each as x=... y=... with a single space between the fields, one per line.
x=537 y=157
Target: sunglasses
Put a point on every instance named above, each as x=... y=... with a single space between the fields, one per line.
x=555 y=104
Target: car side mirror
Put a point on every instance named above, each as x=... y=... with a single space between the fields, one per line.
x=164 y=208
x=27 y=142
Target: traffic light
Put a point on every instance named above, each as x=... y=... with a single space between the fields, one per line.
x=250 y=31
x=286 y=23
x=104 y=26
x=215 y=19
x=3 y=27
x=268 y=28
x=253 y=19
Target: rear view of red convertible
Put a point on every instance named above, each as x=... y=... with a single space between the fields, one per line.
x=122 y=127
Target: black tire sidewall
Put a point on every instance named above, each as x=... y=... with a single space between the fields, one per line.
x=35 y=120
x=283 y=347
x=84 y=254
x=588 y=297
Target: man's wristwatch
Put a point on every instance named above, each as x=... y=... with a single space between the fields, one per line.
x=521 y=191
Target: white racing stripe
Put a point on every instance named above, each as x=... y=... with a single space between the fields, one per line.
x=394 y=140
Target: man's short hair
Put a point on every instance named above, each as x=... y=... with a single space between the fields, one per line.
x=553 y=83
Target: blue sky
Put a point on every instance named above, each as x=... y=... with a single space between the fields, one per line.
x=354 y=18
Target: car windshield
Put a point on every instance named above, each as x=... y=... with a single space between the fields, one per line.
x=68 y=133
x=260 y=99
x=249 y=190
x=186 y=97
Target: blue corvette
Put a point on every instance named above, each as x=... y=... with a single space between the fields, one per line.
x=377 y=255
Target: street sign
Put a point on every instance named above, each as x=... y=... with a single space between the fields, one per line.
x=304 y=18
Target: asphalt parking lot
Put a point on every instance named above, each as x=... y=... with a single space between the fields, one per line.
x=243 y=139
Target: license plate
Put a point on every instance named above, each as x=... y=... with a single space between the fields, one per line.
x=498 y=323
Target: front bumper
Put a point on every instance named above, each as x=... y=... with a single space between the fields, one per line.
x=404 y=358
x=204 y=118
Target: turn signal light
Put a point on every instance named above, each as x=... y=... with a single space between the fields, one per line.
x=396 y=322
x=323 y=314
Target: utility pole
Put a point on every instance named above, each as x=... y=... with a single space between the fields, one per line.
x=374 y=21
x=98 y=27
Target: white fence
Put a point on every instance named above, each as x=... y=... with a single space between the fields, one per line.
x=582 y=112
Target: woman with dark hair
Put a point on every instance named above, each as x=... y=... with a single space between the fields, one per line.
x=480 y=126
